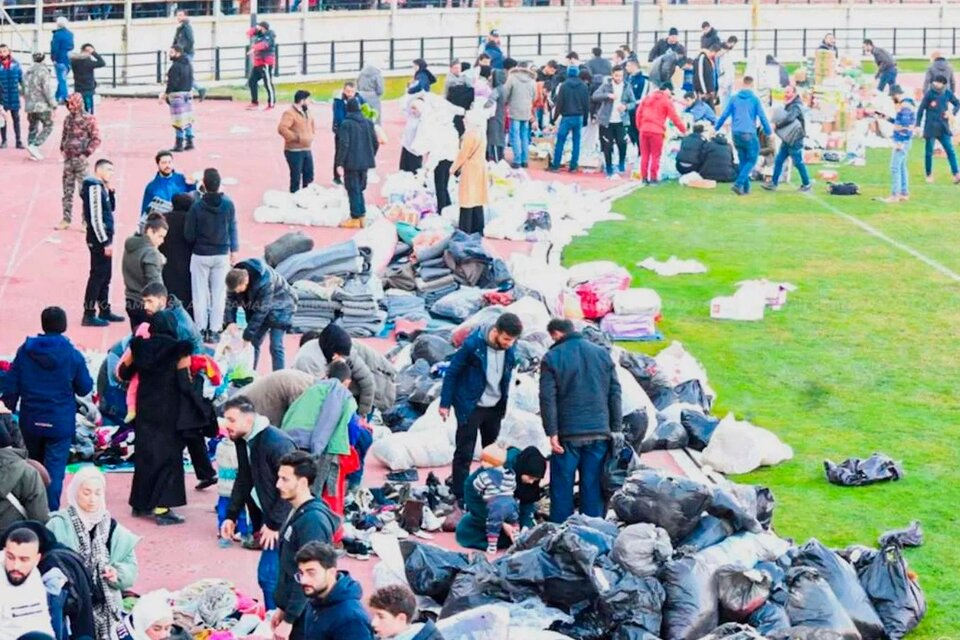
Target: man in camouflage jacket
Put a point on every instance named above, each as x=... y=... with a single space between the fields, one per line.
x=81 y=137
x=40 y=103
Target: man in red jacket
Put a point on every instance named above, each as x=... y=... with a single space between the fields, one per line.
x=263 y=51
x=652 y=117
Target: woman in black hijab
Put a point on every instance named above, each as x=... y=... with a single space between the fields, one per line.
x=177 y=251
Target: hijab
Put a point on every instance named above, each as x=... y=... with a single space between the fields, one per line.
x=88 y=475
x=529 y=462
x=149 y=610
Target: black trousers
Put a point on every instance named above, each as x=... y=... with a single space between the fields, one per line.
x=410 y=162
x=266 y=74
x=355 y=183
x=486 y=422
x=197 y=448
x=98 y=282
x=15 y=116
x=471 y=220
x=136 y=314
x=441 y=182
x=613 y=134
x=301 y=168
x=459 y=125
x=336 y=143
x=632 y=130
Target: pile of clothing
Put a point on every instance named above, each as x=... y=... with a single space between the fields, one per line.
x=359 y=298
x=313 y=205
x=209 y=608
x=316 y=307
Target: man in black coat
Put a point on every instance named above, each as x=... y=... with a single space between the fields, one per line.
x=717 y=160
x=572 y=108
x=84 y=64
x=580 y=408
x=184 y=39
x=690 y=155
x=269 y=303
x=709 y=37
x=357 y=146
x=705 y=75
x=177 y=251
x=670 y=43
x=179 y=95
x=260 y=447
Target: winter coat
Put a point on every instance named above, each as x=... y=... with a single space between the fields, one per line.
x=573 y=99
x=38 y=93
x=273 y=393
x=519 y=92
x=884 y=60
x=933 y=112
x=340 y=614
x=183 y=37
x=579 y=390
x=383 y=371
x=497 y=125
x=177 y=251
x=22 y=481
x=603 y=96
x=164 y=188
x=81 y=135
x=422 y=81
x=264 y=47
x=745 y=110
x=436 y=139
x=704 y=78
x=493 y=50
x=211 y=226
x=340 y=109
x=180 y=76
x=653 y=112
x=269 y=301
x=297 y=129
x=710 y=39
x=690 y=155
x=319 y=420
x=639 y=85
x=370 y=87
x=61 y=44
x=312 y=521
x=428 y=631
x=905 y=120
x=99 y=204
x=716 y=160
x=121 y=545
x=186 y=328
x=700 y=110
x=142 y=264
x=46 y=374
x=84 y=66
x=793 y=112
x=663 y=68
x=11 y=79
x=466 y=377
x=599 y=67
x=662 y=47
x=939 y=67
x=471 y=163
x=357 y=144
x=258 y=463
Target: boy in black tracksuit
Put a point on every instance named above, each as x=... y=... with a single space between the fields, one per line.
x=99 y=201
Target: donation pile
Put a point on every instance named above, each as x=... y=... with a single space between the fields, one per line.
x=313 y=205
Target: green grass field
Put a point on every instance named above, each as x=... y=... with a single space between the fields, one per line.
x=861 y=359
x=322 y=91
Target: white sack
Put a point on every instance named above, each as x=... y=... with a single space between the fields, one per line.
x=740 y=447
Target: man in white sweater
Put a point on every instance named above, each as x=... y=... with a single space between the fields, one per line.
x=23 y=598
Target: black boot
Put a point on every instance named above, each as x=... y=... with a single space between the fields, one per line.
x=178 y=146
x=189 y=145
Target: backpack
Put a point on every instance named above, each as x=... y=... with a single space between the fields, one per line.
x=844 y=189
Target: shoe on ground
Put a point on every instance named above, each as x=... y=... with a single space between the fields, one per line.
x=929 y=178
x=956 y=178
x=574 y=170
x=141 y=513
x=202 y=93
x=394 y=529
x=805 y=188
x=737 y=190
x=168 y=518
x=492 y=549
x=356 y=549
x=270 y=107
x=768 y=186
x=3 y=145
x=111 y=317
x=189 y=145
x=889 y=200
x=253 y=106
x=34 y=152
x=93 y=321
x=62 y=225
x=20 y=145
x=613 y=177
x=206 y=484
x=430 y=521
x=553 y=169
x=213 y=337
x=352 y=223
x=407 y=475
x=905 y=197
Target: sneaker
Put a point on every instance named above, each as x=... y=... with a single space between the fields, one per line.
x=167 y=518
x=3 y=145
x=253 y=106
x=353 y=223
x=929 y=178
x=408 y=475
x=430 y=521
x=111 y=317
x=251 y=543
x=889 y=200
x=805 y=188
x=768 y=186
x=737 y=190
x=553 y=169
x=63 y=225
x=189 y=145
x=395 y=530
x=356 y=549
x=956 y=178
x=338 y=182
x=574 y=170
x=206 y=484
x=492 y=548
x=34 y=152
x=93 y=321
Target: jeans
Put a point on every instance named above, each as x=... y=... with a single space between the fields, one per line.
x=98 y=282
x=748 y=150
x=208 y=279
x=301 y=168
x=356 y=182
x=898 y=169
x=196 y=86
x=277 y=353
x=486 y=422
x=499 y=510
x=88 y=101
x=62 y=71
x=947 y=143
x=184 y=134
x=887 y=79
x=795 y=153
x=587 y=458
x=53 y=454
x=519 y=140
x=568 y=125
x=610 y=135
x=651 y=148
x=268 y=575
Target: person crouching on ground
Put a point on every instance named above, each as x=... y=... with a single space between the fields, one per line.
x=394 y=608
x=495 y=486
x=269 y=303
x=357 y=146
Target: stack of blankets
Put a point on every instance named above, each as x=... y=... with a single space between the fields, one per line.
x=359 y=298
x=316 y=307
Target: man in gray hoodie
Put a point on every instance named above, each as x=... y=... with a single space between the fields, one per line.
x=520 y=90
x=616 y=100
x=939 y=67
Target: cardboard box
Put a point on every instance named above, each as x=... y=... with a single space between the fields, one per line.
x=539 y=162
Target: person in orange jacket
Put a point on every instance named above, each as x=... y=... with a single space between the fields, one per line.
x=651 y=122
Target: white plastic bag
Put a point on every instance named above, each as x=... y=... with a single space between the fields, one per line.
x=636 y=302
x=490 y=622
x=740 y=447
x=524 y=393
x=522 y=429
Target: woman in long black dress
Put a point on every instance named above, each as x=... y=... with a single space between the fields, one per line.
x=176 y=249
x=158 y=478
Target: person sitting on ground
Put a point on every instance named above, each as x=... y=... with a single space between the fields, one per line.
x=335 y=611
x=152 y=618
x=269 y=303
x=25 y=610
x=699 y=110
x=107 y=546
x=690 y=155
x=716 y=160
x=394 y=608
x=21 y=486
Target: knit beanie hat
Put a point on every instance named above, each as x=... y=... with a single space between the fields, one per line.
x=333 y=340
x=573 y=71
x=493 y=455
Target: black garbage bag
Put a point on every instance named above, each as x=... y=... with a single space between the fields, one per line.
x=842 y=578
x=401 y=417
x=635 y=429
x=432 y=348
x=426 y=391
x=617 y=468
x=813 y=604
x=691 y=609
x=666 y=435
x=529 y=354
x=672 y=503
x=806 y=633
x=742 y=591
x=854 y=472
x=587 y=625
x=898 y=600
x=911 y=536
x=596 y=336
x=465 y=593
x=709 y=531
x=756 y=500
x=522 y=574
x=642 y=549
x=859 y=556
x=726 y=505
x=408 y=378
x=691 y=392
x=579 y=543
x=663 y=396
x=699 y=428
x=431 y=570
x=770 y=617
x=537 y=536
x=643 y=369
x=733 y=631
x=635 y=602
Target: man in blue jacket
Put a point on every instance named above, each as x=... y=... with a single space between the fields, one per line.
x=745 y=111
x=476 y=385
x=159 y=192
x=61 y=44
x=492 y=48
x=339 y=115
x=580 y=409
x=46 y=375
x=336 y=609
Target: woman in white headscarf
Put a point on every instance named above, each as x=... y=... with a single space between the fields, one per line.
x=152 y=617
x=107 y=546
